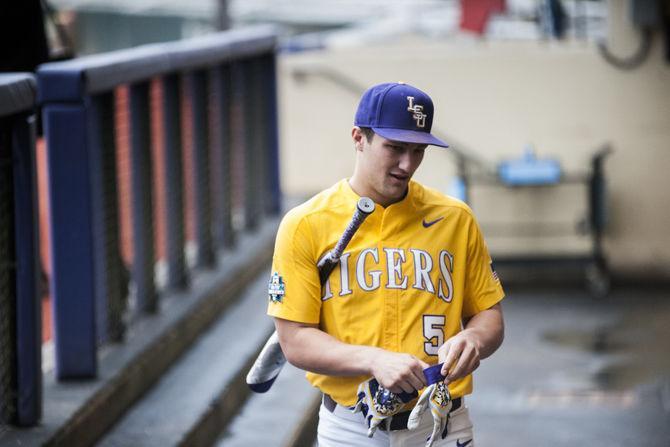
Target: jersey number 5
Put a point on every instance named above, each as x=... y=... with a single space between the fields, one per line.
x=433 y=332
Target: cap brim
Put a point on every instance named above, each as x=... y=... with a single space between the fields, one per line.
x=409 y=136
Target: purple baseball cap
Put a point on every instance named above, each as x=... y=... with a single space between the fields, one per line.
x=398 y=112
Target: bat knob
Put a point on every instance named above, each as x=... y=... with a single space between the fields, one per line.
x=366 y=205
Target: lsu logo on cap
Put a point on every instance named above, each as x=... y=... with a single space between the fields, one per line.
x=417 y=111
x=276 y=288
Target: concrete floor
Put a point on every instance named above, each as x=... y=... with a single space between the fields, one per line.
x=577 y=371
x=573 y=371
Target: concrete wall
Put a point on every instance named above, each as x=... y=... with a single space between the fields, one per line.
x=497 y=97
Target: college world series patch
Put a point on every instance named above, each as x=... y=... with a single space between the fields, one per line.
x=276 y=288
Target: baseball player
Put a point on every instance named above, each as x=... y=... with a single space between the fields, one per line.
x=415 y=287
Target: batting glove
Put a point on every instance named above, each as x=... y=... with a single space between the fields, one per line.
x=378 y=404
x=437 y=398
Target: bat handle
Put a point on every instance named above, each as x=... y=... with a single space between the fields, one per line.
x=364 y=208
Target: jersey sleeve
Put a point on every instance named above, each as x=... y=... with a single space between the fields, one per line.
x=482 y=286
x=294 y=272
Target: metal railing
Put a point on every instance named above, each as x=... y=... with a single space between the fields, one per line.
x=196 y=122
x=20 y=317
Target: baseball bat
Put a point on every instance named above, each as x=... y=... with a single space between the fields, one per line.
x=271 y=359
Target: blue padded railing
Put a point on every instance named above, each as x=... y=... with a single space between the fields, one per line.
x=20 y=316
x=223 y=87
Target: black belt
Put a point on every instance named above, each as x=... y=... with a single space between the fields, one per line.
x=398 y=421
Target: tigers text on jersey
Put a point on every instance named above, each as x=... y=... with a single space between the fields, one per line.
x=411 y=272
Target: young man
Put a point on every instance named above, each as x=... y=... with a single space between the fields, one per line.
x=415 y=286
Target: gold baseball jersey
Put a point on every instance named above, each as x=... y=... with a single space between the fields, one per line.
x=411 y=273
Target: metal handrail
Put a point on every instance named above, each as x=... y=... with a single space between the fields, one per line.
x=20 y=311
x=228 y=79
x=17 y=93
x=103 y=72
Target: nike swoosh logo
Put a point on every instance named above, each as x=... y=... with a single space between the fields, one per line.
x=459 y=444
x=432 y=222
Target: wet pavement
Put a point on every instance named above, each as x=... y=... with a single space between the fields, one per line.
x=575 y=370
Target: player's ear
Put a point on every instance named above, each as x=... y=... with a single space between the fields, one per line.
x=358 y=137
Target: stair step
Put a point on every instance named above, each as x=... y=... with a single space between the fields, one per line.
x=79 y=413
x=197 y=396
x=274 y=417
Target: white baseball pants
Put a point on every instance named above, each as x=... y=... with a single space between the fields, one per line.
x=344 y=428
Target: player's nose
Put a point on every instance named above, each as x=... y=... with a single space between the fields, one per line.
x=406 y=162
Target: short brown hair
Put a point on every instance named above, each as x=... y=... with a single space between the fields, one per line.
x=368 y=132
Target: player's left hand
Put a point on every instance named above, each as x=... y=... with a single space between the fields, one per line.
x=378 y=404
x=437 y=398
x=459 y=355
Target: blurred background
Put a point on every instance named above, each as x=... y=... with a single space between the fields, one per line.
x=558 y=114
x=564 y=78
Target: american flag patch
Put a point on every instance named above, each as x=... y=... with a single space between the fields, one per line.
x=494 y=273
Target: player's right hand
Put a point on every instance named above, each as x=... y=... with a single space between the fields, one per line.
x=399 y=372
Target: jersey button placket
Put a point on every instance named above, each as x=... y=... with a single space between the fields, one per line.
x=390 y=296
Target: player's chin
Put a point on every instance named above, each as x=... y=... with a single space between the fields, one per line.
x=394 y=194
